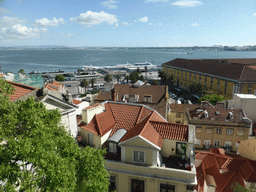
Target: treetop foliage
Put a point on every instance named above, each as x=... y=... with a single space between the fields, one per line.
x=213 y=98
x=37 y=154
x=60 y=78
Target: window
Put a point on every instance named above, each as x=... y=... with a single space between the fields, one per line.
x=190 y=188
x=198 y=142
x=198 y=129
x=241 y=88
x=178 y=115
x=207 y=143
x=194 y=78
x=112 y=183
x=138 y=156
x=137 y=185
x=147 y=98
x=205 y=80
x=216 y=143
x=208 y=130
x=250 y=89
x=200 y=79
x=211 y=82
x=218 y=130
x=230 y=131
x=226 y=85
x=237 y=145
x=190 y=77
x=167 y=188
x=240 y=132
x=90 y=139
x=185 y=76
x=112 y=147
x=228 y=144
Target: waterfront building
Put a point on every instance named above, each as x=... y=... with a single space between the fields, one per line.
x=220 y=76
x=144 y=151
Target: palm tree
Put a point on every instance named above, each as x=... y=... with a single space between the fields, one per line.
x=163 y=76
x=92 y=81
x=118 y=78
x=84 y=83
x=146 y=70
x=108 y=78
x=171 y=80
x=127 y=78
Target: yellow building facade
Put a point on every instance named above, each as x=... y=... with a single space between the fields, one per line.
x=216 y=83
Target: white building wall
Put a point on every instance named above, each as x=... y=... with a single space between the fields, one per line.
x=81 y=106
x=105 y=137
x=88 y=114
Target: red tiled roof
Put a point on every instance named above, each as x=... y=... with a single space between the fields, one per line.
x=237 y=169
x=156 y=91
x=171 y=131
x=77 y=102
x=54 y=86
x=237 y=69
x=146 y=130
x=101 y=123
x=20 y=90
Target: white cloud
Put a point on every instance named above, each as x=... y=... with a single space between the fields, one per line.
x=94 y=18
x=187 y=3
x=143 y=19
x=195 y=24
x=13 y=27
x=155 y=24
x=126 y=23
x=157 y=1
x=46 y=22
x=110 y=4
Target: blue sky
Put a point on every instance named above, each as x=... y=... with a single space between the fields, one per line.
x=128 y=23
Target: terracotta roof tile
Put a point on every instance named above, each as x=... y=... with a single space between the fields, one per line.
x=77 y=102
x=156 y=91
x=237 y=69
x=237 y=169
x=20 y=90
x=54 y=86
x=171 y=131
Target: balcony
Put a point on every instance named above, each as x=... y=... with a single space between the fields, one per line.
x=174 y=172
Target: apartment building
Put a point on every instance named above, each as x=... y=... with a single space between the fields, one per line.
x=220 y=76
x=144 y=151
x=219 y=127
x=154 y=96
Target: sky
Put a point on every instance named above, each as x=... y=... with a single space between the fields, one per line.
x=127 y=23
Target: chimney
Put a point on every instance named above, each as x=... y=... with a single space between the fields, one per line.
x=205 y=104
x=113 y=93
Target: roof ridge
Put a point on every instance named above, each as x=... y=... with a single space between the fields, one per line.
x=229 y=179
x=242 y=72
x=147 y=122
x=140 y=114
x=98 y=124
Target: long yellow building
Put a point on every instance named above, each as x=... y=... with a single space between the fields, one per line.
x=220 y=76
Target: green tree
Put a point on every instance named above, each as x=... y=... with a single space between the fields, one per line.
x=197 y=89
x=92 y=81
x=171 y=81
x=108 y=78
x=84 y=83
x=60 y=78
x=138 y=70
x=22 y=71
x=213 y=98
x=163 y=77
x=155 y=82
x=127 y=79
x=36 y=153
x=118 y=78
x=238 y=188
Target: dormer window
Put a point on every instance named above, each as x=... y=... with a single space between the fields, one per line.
x=230 y=115
x=112 y=147
x=138 y=156
x=147 y=99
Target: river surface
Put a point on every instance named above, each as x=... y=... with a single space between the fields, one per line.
x=72 y=59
